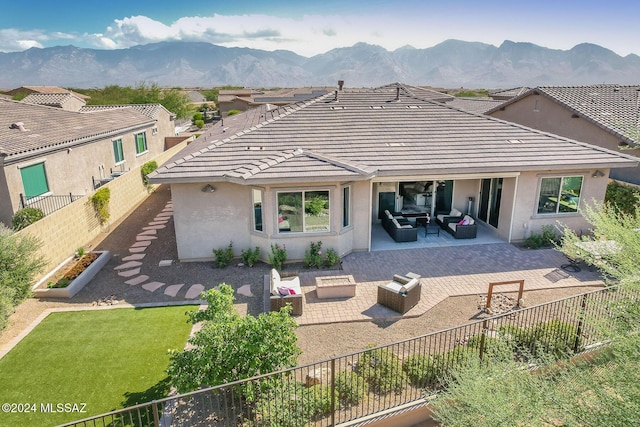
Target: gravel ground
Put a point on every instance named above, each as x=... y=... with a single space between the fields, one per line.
x=319 y=342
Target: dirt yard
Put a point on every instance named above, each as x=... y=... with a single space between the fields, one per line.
x=319 y=342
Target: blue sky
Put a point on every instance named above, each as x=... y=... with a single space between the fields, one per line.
x=313 y=27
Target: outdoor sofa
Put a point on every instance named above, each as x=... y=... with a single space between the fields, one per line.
x=399 y=228
x=285 y=291
x=402 y=293
x=458 y=225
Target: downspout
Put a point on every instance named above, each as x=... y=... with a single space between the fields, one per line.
x=370 y=214
x=513 y=208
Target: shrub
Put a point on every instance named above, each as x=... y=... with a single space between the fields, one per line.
x=459 y=356
x=331 y=257
x=547 y=238
x=319 y=400
x=25 y=217
x=199 y=124
x=224 y=255
x=250 y=256
x=146 y=169
x=278 y=256
x=288 y=404
x=350 y=387
x=382 y=369
x=313 y=256
x=233 y=112
x=100 y=202
x=622 y=197
x=196 y=117
x=496 y=348
x=554 y=338
x=421 y=370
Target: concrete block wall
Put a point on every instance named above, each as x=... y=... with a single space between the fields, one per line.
x=75 y=225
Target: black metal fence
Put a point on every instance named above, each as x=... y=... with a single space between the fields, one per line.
x=366 y=383
x=48 y=204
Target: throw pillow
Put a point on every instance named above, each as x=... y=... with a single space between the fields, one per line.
x=465 y=221
x=286 y=291
x=455 y=212
x=461 y=222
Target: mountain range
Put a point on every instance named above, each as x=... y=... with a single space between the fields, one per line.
x=452 y=63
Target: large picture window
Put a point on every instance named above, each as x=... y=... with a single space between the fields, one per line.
x=256 y=195
x=141 y=142
x=34 y=180
x=303 y=211
x=118 y=153
x=559 y=194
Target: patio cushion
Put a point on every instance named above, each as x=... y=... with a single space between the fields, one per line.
x=455 y=212
x=395 y=222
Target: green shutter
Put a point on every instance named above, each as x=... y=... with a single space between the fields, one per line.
x=34 y=180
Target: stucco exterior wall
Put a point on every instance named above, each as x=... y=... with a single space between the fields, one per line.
x=526 y=220
x=539 y=112
x=71 y=170
x=208 y=220
x=75 y=225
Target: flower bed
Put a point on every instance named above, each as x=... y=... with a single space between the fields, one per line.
x=74 y=273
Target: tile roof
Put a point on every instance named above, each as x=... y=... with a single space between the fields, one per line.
x=51 y=99
x=149 y=110
x=48 y=129
x=509 y=93
x=614 y=108
x=48 y=89
x=368 y=133
x=475 y=105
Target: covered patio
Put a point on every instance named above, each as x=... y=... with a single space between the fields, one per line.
x=382 y=241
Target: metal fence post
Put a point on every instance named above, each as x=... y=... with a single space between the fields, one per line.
x=482 y=338
x=576 y=344
x=22 y=205
x=333 y=391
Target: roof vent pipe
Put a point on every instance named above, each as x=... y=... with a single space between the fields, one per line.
x=18 y=125
x=340 y=84
x=335 y=95
x=398 y=93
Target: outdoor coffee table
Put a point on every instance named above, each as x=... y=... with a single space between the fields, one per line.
x=335 y=286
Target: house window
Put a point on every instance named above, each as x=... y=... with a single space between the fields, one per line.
x=346 y=206
x=559 y=194
x=256 y=195
x=118 y=154
x=141 y=142
x=303 y=211
x=34 y=180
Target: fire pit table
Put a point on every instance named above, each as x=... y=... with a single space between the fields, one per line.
x=335 y=286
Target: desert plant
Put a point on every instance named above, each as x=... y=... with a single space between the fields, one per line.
x=278 y=256
x=547 y=238
x=199 y=124
x=80 y=252
x=421 y=369
x=331 y=257
x=382 y=369
x=350 y=387
x=622 y=197
x=146 y=169
x=25 y=217
x=100 y=202
x=250 y=256
x=313 y=255
x=224 y=255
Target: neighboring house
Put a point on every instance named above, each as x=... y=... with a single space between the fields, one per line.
x=327 y=168
x=604 y=115
x=244 y=99
x=26 y=90
x=48 y=155
x=471 y=104
x=507 y=94
x=65 y=101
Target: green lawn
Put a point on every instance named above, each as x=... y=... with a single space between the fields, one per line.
x=106 y=359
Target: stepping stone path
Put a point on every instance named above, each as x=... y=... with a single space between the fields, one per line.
x=131 y=266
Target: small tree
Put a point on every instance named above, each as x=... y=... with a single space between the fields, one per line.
x=19 y=263
x=230 y=347
x=100 y=202
x=146 y=169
